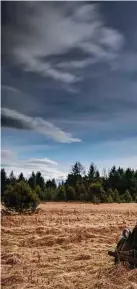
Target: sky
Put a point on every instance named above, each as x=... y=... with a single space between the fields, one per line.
x=68 y=86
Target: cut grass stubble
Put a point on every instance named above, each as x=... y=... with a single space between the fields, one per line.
x=65 y=246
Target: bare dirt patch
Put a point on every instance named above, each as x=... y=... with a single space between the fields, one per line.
x=64 y=246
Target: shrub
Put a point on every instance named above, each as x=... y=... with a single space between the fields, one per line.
x=20 y=198
x=96 y=192
x=96 y=200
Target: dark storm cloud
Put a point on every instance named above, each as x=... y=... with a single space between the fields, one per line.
x=69 y=61
x=51 y=32
x=122 y=18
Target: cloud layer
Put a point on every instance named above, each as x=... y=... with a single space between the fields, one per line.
x=49 y=168
x=16 y=120
x=54 y=30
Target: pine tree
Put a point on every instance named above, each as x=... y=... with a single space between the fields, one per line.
x=21 y=177
x=32 y=181
x=3 y=181
x=12 y=178
x=83 y=193
x=40 y=180
x=61 y=194
x=116 y=197
x=127 y=197
x=110 y=196
x=70 y=193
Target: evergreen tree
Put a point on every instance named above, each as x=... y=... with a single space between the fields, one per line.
x=109 y=199
x=91 y=172
x=76 y=175
x=78 y=169
x=47 y=195
x=3 y=181
x=90 y=194
x=21 y=177
x=32 y=181
x=51 y=184
x=110 y=196
x=116 y=196
x=77 y=191
x=83 y=196
x=70 y=193
x=40 y=181
x=12 y=178
x=97 y=176
x=39 y=193
x=61 y=194
x=127 y=197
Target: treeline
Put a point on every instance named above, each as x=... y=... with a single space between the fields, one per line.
x=118 y=185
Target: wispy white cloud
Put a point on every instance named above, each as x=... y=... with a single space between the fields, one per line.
x=77 y=64
x=7 y=155
x=49 y=168
x=13 y=119
x=10 y=89
x=42 y=161
x=46 y=69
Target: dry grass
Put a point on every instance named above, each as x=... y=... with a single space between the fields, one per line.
x=65 y=246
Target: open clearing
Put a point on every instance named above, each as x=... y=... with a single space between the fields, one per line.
x=64 y=246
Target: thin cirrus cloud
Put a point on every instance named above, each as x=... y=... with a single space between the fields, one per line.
x=42 y=161
x=48 y=168
x=8 y=155
x=13 y=119
x=53 y=31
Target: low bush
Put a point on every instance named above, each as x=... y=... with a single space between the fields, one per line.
x=20 y=198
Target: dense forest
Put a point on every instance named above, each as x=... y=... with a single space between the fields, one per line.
x=118 y=185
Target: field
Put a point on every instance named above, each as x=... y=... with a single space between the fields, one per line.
x=64 y=246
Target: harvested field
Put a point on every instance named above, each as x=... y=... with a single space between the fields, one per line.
x=64 y=246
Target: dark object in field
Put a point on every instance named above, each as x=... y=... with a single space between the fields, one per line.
x=126 y=249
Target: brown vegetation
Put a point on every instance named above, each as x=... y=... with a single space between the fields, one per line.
x=64 y=246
